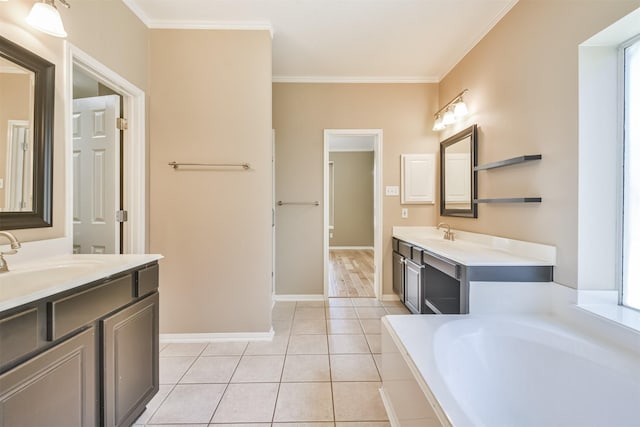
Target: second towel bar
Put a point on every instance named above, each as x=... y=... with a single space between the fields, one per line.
x=316 y=203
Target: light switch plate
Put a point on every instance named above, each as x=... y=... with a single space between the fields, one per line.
x=392 y=190
x=405 y=213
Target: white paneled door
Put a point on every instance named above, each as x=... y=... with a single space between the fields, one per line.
x=96 y=175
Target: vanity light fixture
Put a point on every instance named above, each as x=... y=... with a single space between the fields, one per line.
x=451 y=112
x=438 y=124
x=44 y=16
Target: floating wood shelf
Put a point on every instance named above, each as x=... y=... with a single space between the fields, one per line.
x=510 y=200
x=513 y=161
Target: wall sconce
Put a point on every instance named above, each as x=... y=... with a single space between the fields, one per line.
x=45 y=17
x=451 y=112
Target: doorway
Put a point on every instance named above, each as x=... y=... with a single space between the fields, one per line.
x=352 y=217
x=114 y=104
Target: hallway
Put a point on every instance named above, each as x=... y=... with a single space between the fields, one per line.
x=321 y=369
x=351 y=273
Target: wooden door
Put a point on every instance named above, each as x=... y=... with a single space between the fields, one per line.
x=96 y=175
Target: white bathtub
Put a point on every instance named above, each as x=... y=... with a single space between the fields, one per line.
x=514 y=371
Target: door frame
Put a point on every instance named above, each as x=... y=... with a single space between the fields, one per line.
x=134 y=147
x=377 y=204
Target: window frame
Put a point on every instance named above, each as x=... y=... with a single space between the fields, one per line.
x=623 y=90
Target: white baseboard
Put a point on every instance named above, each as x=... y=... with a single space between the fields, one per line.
x=215 y=337
x=390 y=297
x=298 y=297
x=350 y=248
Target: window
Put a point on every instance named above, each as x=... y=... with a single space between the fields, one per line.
x=631 y=185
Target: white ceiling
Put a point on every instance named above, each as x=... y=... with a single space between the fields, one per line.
x=344 y=40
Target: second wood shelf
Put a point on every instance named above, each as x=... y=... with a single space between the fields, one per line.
x=507 y=162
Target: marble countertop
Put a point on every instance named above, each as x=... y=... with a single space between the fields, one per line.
x=472 y=249
x=32 y=281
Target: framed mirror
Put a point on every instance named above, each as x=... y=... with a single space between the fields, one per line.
x=26 y=138
x=458 y=180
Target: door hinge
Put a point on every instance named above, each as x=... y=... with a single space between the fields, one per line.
x=121 y=216
x=122 y=123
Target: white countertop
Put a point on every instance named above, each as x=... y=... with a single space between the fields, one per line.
x=31 y=281
x=472 y=249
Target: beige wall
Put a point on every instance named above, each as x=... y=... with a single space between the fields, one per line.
x=211 y=102
x=300 y=114
x=353 y=198
x=523 y=94
x=92 y=27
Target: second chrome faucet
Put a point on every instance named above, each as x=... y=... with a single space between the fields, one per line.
x=448 y=234
x=15 y=245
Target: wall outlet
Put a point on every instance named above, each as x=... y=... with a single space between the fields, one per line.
x=392 y=190
x=405 y=213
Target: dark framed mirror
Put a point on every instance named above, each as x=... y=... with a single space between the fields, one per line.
x=458 y=179
x=27 y=90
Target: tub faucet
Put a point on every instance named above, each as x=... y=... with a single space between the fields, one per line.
x=15 y=245
x=448 y=234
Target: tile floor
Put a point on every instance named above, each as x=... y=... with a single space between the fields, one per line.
x=320 y=370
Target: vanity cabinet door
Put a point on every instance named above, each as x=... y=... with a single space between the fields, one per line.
x=130 y=354
x=398 y=275
x=413 y=286
x=55 y=388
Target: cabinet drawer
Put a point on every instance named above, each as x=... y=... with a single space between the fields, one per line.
x=404 y=249
x=67 y=314
x=18 y=335
x=394 y=243
x=448 y=268
x=147 y=281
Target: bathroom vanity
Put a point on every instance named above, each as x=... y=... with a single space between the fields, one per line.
x=432 y=275
x=79 y=341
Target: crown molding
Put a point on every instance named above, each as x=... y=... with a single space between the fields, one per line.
x=353 y=79
x=133 y=6
x=210 y=25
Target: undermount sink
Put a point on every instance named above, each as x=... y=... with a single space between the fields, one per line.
x=35 y=277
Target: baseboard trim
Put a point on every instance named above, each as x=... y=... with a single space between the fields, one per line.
x=214 y=337
x=391 y=414
x=350 y=248
x=390 y=297
x=298 y=298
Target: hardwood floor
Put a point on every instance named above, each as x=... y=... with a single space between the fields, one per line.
x=351 y=273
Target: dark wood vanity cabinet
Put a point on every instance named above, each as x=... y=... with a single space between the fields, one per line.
x=130 y=362
x=55 y=388
x=428 y=283
x=83 y=357
x=408 y=275
x=398 y=275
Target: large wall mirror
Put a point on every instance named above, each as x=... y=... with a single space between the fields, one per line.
x=458 y=180
x=26 y=137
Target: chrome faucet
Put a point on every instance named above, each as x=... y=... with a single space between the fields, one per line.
x=15 y=245
x=448 y=234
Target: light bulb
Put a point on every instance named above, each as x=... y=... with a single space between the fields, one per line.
x=449 y=118
x=438 y=125
x=46 y=18
x=460 y=109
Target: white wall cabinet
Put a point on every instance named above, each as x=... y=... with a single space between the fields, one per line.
x=418 y=179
